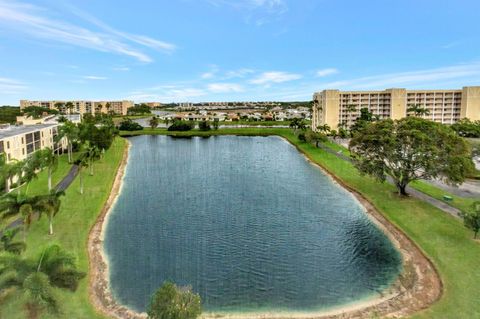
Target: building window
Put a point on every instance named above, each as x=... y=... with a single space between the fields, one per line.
x=1 y=147
x=29 y=148
x=23 y=151
x=8 y=156
x=8 y=145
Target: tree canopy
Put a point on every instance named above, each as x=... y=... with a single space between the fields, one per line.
x=172 y=302
x=409 y=149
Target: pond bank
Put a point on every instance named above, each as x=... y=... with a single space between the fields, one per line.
x=418 y=287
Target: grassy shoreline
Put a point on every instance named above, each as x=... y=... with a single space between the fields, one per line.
x=72 y=225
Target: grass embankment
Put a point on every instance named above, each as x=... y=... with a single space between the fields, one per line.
x=441 y=236
x=71 y=226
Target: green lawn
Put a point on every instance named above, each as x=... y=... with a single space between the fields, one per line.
x=462 y=203
x=39 y=185
x=442 y=237
x=72 y=224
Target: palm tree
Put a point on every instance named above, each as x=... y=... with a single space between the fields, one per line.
x=69 y=131
x=5 y=171
x=60 y=106
x=153 y=122
x=351 y=108
x=82 y=162
x=325 y=128
x=30 y=168
x=50 y=205
x=36 y=277
x=92 y=154
x=69 y=106
x=50 y=161
x=418 y=110
x=26 y=211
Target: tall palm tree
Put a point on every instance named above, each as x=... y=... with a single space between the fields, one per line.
x=418 y=110
x=82 y=163
x=26 y=211
x=92 y=154
x=351 y=108
x=48 y=160
x=153 y=122
x=69 y=131
x=49 y=205
x=30 y=168
x=69 y=106
x=4 y=171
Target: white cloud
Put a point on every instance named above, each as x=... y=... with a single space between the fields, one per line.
x=326 y=72
x=32 y=20
x=225 y=87
x=94 y=77
x=167 y=95
x=240 y=73
x=275 y=77
x=211 y=73
x=11 y=86
x=411 y=78
x=207 y=75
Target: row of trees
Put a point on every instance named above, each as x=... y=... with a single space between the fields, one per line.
x=38 y=279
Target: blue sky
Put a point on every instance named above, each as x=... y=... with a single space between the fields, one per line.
x=232 y=50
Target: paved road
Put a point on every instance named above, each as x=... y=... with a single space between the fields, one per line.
x=61 y=186
x=413 y=192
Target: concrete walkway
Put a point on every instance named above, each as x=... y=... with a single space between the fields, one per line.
x=411 y=191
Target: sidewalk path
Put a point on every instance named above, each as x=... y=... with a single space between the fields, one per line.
x=411 y=191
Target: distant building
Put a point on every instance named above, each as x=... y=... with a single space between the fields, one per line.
x=341 y=108
x=49 y=119
x=82 y=107
x=153 y=104
x=17 y=142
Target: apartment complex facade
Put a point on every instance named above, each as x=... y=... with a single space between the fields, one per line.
x=82 y=107
x=18 y=142
x=340 y=109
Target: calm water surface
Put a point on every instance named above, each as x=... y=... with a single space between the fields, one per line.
x=247 y=222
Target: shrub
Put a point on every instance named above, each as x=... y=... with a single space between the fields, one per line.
x=179 y=125
x=129 y=125
x=204 y=126
x=172 y=302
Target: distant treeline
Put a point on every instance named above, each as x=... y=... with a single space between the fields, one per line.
x=8 y=114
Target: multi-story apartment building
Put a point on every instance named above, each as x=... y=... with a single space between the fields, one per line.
x=17 y=142
x=82 y=107
x=341 y=108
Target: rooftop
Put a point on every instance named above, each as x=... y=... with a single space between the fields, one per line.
x=13 y=130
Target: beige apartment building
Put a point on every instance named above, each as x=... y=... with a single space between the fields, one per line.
x=83 y=107
x=17 y=142
x=341 y=108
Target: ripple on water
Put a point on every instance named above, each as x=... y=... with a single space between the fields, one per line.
x=247 y=222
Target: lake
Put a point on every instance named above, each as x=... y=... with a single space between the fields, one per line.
x=247 y=222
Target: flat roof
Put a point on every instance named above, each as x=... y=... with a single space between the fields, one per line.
x=14 y=130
